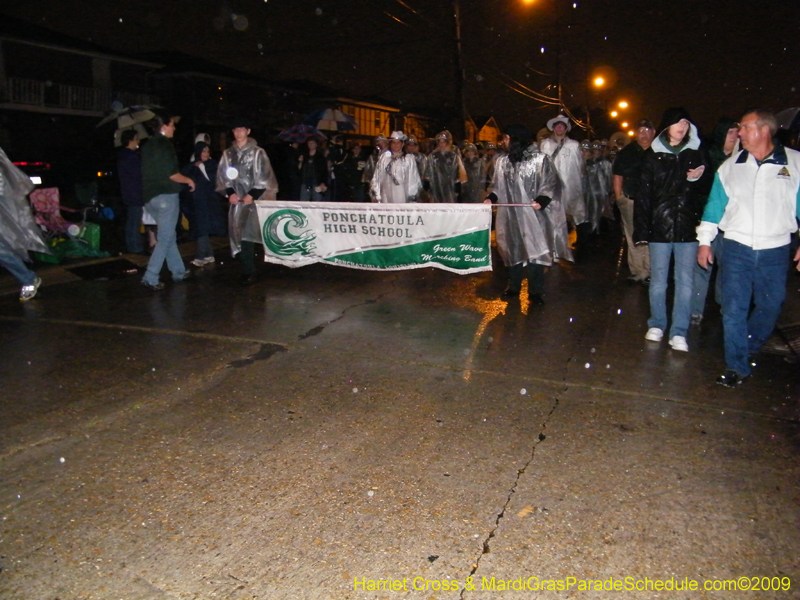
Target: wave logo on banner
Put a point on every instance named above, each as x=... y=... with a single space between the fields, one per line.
x=282 y=236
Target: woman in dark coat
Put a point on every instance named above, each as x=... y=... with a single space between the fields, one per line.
x=667 y=209
x=207 y=206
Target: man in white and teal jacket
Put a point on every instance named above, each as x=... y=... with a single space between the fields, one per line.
x=755 y=201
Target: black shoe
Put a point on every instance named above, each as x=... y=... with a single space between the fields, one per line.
x=731 y=379
x=186 y=275
x=645 y=281
x=247 y=279
x=536 y=299
x=509 y=293
x=155 y=287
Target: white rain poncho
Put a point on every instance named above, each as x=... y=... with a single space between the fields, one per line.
x=244 y=169
x=567 y=159
x=396 y=179
x=522 y=235
x=17 y=227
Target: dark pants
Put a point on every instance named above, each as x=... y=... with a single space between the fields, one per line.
x=248 y=258
x=133 y=223
x=535 y=274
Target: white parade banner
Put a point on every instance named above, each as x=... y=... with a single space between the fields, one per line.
x=453 y=237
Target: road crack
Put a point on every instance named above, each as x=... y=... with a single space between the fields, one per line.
x=486 y=547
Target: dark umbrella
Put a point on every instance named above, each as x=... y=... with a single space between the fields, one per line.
x=331 y=119
x=300 y=133
x=789 y=119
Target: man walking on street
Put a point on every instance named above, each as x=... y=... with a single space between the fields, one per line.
x=161 y=183
x=625 y=182
x=755 y=201
x=566 y=156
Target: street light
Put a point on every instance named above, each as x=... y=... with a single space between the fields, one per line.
x=623 y=104
x=614 y=113
x=599 y=81
x=624 y=124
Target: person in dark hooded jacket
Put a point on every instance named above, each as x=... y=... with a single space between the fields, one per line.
x=669 y=204
x=207 y=205
x=724 y=140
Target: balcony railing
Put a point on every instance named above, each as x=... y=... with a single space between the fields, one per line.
x=45 y=95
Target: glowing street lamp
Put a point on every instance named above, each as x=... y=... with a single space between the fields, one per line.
x=614 y=113
x=624 y=124
x=623 y=104
x=599 y=81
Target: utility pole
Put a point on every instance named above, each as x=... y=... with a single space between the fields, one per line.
x=461 y=105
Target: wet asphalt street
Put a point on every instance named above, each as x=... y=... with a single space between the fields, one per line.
x=332 y=433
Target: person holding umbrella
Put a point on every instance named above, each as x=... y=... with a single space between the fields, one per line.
x=243 y=176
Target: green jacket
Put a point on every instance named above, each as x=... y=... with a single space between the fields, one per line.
x=159 y=162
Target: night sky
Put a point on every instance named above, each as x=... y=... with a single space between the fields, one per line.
x=715 y=57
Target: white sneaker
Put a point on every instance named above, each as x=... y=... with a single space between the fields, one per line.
x=199 y=262
x=208 y=260
x=654 y=334
x=678 y=342
x=29 y=291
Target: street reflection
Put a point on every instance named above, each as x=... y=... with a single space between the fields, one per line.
x=490 y=309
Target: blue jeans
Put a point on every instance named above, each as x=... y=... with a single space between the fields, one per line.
x=307 y=192
x=165 y=209
x=685 y=258
x=203 y=247
x=133 y=223
x=757 y=275
x=15 y=265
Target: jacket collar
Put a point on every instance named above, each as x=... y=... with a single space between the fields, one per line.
x=776 y=157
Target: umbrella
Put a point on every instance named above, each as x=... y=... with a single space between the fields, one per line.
x=331 y=119
x=789 y=119
x=130 y=117
x=300 y=133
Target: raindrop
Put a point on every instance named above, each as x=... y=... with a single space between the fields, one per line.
x=523 y=391
x=370 y=493
x=466 y=351
x=608 y=366
x=587 y=365
x=259 y=46
x=62 y=460
x=355 y=390
x=542 y=49
x=619 y=311
x=592 y=350
x=318 y=12
x=240 y=22
x=154 y=368
x=570 y=319
x=120 y=20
